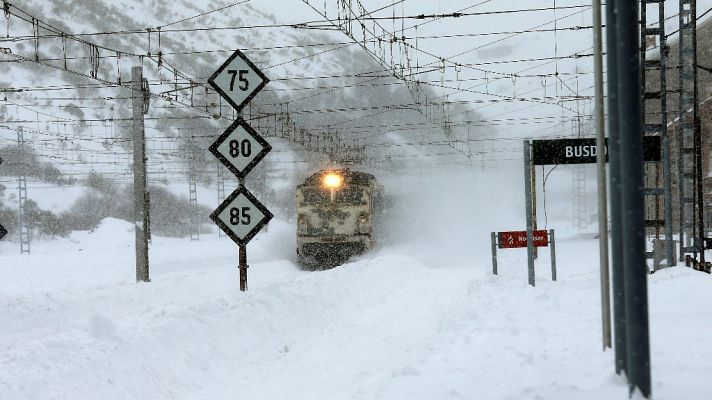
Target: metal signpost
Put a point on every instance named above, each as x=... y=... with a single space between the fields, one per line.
x=519 y=239
x=240 y=148
x=3 y=231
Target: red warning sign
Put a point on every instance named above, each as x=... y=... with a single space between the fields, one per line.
x=516 y=239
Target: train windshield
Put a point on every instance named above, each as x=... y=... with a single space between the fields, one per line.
x=349 y=195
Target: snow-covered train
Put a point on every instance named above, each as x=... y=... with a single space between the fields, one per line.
x=338 y=214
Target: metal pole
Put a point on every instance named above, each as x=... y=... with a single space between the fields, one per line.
x=665 y=141
x=140 y=211
x=528 y=201
x=494 y=253
x=699 y=240
x=601 y=163
x=632 y=184
x=619 y=320
x=243 y=258
x=25 y=232
x=532 y=170
x=552 y=244
x=243 y=268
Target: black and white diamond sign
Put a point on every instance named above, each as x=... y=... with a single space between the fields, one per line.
x=240 y=148
x=238 y=80
x=241 y=216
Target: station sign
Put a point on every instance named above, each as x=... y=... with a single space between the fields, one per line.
x=583 y=151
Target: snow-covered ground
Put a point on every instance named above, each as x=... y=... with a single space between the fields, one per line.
x=420 y=318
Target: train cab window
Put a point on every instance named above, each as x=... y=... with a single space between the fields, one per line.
x=314 y=196
x=350 y=195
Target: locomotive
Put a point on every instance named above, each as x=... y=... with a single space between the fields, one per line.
x=338 y=215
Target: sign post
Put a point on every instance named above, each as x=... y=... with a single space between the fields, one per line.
x=3 y=231
x=528 y=201
x=240 y=148
x=494 y=253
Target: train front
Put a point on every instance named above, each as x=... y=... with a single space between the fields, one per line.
x=334 y=217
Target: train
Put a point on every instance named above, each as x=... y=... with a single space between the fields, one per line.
x=339 y=213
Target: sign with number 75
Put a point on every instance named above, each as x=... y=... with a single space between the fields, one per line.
x=238 y=80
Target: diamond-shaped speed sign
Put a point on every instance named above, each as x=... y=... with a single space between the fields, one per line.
x=240 y=148
x=241 y=216
x=238 y=80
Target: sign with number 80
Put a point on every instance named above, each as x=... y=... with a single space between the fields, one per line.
x=240 y=148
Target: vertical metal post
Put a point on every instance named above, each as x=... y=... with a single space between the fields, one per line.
x=687 y=125
x=632 y=183
x=22 y=195
x=602 y=190
x=532 y=170
x=193 y=194
x=139 y=156
x=494 y=253
x=221 y=189
x=699 y=191
x=619 y=319
x=243 y=268
x=243 y=258
x=552 y=247
x=528 y=201
x=665 y=138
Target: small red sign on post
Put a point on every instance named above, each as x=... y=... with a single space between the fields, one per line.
x=516 y=239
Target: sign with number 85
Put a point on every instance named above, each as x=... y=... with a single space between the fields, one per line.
x=241 y=216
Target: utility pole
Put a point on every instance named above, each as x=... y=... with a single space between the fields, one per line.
x=635 y=271
x=619 y=318
x=528 y=209
x=601 y=164
x=141 y=209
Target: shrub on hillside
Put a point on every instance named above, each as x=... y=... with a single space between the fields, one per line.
x=170 y=214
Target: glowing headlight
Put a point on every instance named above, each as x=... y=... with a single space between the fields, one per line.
x=332 y=180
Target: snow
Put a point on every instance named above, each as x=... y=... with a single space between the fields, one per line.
x=422 y=317
x=408 y=321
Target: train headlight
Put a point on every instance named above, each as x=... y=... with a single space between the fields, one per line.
x=332 y=180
